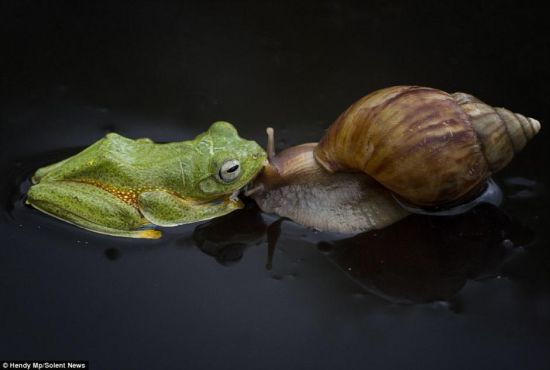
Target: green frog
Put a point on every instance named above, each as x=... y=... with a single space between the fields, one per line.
x=123 y=187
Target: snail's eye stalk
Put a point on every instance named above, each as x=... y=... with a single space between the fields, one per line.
x=270 y=143
x=254 y=190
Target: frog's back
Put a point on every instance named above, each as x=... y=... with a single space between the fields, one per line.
x=117 y=161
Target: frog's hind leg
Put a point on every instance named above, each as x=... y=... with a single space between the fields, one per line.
x=91 y=208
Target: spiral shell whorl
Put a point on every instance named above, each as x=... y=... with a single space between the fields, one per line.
x=501 y=133
x=416 y=141
x=430 y=147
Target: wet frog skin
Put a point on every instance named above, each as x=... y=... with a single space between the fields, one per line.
x=124 y=187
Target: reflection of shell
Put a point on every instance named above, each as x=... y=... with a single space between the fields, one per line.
x=426 y=145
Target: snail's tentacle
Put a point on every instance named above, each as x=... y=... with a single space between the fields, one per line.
x=270 y=143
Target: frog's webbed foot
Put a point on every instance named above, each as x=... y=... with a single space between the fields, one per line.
x=91 y=208
x=165 y=209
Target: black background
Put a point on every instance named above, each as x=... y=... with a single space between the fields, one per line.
x=72 y=71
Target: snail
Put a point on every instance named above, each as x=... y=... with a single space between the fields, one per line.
x=396 y=150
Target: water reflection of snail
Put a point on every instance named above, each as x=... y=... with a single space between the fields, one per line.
x=425 y=147
x=419 y=259
x=424 y=259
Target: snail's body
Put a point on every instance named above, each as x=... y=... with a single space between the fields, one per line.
x=427 y=147
x=300 y=189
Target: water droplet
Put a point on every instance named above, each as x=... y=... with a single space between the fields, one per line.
x=522 y=188
x=325 y=247
x=112 y=254
x=508 y=244
x=442 y=304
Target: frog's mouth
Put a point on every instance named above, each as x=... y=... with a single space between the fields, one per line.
x=232 y=197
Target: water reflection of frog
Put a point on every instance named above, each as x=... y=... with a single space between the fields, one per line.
x=122 y=187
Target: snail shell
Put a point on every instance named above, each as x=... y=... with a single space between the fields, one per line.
x=430 y=148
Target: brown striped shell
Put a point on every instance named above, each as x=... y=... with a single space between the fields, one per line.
x=428 y=146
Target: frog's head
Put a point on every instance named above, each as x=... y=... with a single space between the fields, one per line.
x=231 y=161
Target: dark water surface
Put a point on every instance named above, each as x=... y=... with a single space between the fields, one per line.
x=468 y=291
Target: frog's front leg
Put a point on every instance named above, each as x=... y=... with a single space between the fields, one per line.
x=90 y=207
x=166 y=209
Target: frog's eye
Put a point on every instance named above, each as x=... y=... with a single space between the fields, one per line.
x=229 y=171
